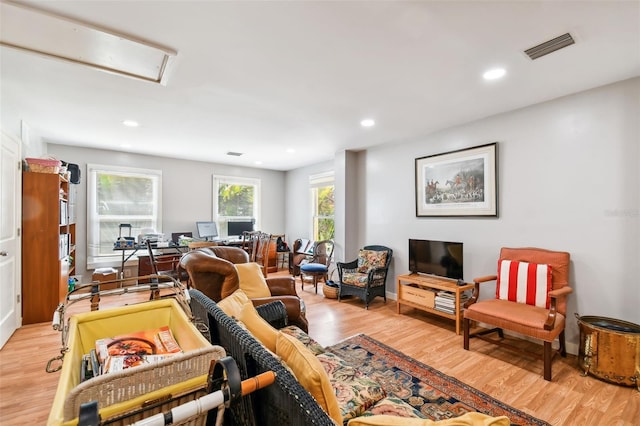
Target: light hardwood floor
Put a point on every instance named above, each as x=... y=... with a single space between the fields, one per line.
x=27 y=391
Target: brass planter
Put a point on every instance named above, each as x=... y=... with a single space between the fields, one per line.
x=610 y=349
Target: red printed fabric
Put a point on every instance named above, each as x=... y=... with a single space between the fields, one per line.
x=524 y=282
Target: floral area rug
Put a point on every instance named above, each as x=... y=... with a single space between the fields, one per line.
x=436 y=395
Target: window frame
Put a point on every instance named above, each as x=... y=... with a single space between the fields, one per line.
x=94 y=258
x=222 y=220
x=317 y=181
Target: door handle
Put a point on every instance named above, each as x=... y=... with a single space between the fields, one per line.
x=4 y=253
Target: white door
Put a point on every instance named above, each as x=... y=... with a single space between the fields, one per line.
x=10 y=222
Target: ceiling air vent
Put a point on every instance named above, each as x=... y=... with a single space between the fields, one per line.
x=234 y=154
x=550 y=46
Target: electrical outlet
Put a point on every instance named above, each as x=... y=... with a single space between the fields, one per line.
x=127 y=273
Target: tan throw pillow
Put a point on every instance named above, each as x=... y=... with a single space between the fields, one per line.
x=468 y=419
x=232 y=305
x=258 y=327
x=252 y=280
x=309 y=373
x=238 y=306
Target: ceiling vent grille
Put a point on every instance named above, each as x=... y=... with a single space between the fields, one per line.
x=550 y=46
x=234 y=154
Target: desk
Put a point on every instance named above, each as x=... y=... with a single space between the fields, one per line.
x=133 y=250
x=145 y=267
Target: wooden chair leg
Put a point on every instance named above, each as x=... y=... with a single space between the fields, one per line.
x=465 y=328
x=547 y=360
x=563 y=346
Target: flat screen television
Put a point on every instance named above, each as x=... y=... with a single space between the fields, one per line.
x=237 y=227
x=207 y=230
x=440 y=258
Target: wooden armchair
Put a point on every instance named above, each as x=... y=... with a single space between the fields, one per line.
x=164 y=264
x=318 y=266
x=365 y=277
x=530 y=299
x=260 y=252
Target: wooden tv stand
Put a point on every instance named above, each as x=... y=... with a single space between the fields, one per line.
x=418 y=291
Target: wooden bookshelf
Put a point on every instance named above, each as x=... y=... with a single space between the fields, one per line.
x=48 y=244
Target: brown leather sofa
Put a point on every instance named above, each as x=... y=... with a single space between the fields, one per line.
x=211 y=270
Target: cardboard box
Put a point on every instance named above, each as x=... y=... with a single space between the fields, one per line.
x=105 y=274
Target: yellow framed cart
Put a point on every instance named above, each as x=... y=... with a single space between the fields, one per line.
x=130 y=395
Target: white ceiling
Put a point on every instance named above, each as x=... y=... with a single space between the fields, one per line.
x=262 y=77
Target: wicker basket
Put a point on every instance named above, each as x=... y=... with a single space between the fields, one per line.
x=42 y=165
x=123 y=396
x=330 y=292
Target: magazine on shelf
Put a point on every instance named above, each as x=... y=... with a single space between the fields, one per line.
x=134 y=349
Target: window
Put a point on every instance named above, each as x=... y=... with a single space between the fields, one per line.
x=322 y=197
x=236 y=199
x=118 y=195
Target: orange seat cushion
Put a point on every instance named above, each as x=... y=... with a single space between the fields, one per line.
x=518 y=317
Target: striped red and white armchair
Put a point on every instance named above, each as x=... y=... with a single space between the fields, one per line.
x=532 y=285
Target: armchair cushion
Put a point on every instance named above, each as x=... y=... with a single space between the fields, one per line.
x=302 y=337
x=371 y=259
x=524 y=282
x=518 y=317
x=313 y=267
x=252 y=280
x=355 y=392
x=355 y=278
x=309 y=372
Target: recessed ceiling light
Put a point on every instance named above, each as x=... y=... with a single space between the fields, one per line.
x=130 y=123
x=494 y=74
x=291 y=150
x=258 y=162
x=367 y=122
x=125 y=145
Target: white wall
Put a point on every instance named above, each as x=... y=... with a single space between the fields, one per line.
x=187 y=188
x=568 y=180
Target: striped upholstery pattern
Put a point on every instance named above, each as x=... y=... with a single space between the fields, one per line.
x=524 y=282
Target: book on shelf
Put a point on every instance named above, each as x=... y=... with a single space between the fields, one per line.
x=450 y=298
x=444 y=308
x=134 y=349
x=445 y=301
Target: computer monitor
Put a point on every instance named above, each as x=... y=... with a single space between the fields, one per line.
x=207 y=230
x=238 y=227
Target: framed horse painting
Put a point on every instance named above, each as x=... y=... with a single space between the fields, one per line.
x=458 y=183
